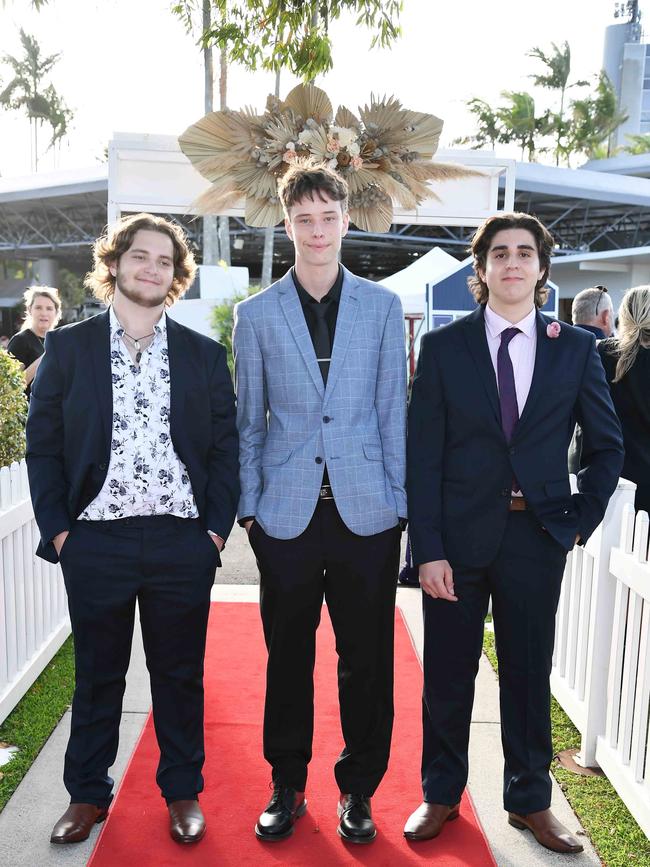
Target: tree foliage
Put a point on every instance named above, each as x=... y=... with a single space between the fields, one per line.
x=13 y=410
x=27 y=91
x=567 y=129
x=290 y=34
x=223 y=321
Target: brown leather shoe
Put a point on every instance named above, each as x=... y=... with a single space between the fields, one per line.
x=186 y=821
x=76 y=823
x=547 y=831
x=427 y=821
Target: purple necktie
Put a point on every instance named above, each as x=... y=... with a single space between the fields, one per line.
x=507 y=391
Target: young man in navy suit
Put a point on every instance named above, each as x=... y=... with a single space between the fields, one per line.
x=132 y=453
x=495 y=399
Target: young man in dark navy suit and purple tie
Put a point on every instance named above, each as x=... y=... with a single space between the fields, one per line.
x=495 y=399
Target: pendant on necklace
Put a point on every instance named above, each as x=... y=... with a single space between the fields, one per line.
x=138 y=355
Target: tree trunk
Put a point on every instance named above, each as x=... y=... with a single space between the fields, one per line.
x=267 y=258
x=210 y=237
x=224 y=222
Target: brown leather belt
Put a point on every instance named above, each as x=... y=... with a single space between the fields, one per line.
x=518 y=504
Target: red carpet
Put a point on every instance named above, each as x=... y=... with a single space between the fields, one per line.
x=237 y=777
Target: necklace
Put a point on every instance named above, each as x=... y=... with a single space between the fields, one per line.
x=136 y=344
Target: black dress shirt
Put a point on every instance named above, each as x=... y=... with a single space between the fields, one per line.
x=308 y=303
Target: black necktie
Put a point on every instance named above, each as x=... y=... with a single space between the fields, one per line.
x=321 y=337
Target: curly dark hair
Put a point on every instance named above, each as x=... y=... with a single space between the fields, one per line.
x=117 y=239
x=481 y=244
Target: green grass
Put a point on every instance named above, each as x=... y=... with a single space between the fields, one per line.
x=33 y=719
x=612 y=829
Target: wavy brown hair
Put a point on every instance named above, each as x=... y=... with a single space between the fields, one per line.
x=117 y=239
x=481 y=244
x=306 y=178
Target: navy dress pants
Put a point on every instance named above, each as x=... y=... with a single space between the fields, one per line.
x=357 y=576
x=167 y=564
x=524 y=581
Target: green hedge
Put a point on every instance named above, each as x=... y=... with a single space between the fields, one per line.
x=13 y=410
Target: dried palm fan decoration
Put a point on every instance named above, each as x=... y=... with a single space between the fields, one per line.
x=384 y=155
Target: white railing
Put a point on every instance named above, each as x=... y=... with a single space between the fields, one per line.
x=33 y=612
x=601 y=659
x=622 y=750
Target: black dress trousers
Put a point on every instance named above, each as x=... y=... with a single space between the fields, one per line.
x=357 y=576
x=167 y=564
x=524 y=581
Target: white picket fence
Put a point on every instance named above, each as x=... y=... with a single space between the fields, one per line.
x=601 y=660
x=33 y=610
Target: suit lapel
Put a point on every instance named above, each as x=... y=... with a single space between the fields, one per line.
x=543 y=357
x=99 y=350
x=292 y=309
x=348 y=307
x=180 y=376
x=478 y=346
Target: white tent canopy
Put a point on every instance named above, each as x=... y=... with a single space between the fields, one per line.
x=411 y=282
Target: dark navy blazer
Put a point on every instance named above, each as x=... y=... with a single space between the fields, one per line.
x=70 y=423
x=460 y=467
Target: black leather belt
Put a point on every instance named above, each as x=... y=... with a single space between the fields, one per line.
x=325 y=493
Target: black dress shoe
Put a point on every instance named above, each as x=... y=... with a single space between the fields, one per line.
x=355 y=825
x=277 y=820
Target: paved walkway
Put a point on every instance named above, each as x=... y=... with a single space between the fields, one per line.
x=27 y=820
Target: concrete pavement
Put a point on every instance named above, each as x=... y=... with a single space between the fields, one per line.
x=27 y=820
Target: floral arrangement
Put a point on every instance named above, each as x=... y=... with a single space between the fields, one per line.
x=553 y=329
x=384 y=155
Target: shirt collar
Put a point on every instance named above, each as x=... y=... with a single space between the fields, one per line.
x=495 y=324
x=334 y=294
x=117 y=329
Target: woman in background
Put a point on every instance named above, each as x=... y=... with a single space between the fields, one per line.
x=626 y=360
x=42 y=313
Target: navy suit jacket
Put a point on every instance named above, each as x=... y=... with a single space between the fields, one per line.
x=460 y=467
x=70 y=424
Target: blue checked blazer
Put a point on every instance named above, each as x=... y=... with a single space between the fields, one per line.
x=290 y=423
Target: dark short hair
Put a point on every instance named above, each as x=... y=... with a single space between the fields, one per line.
x=304 y=179
x=117 y=239
x=481 y=244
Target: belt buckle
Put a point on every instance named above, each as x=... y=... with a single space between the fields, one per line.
x=325 y=493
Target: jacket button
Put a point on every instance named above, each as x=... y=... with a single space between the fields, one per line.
x=102 y=466
x=326 y=419
x=505 y=492
x=319 y=460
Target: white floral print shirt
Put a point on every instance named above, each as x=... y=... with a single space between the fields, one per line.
x=145 y=475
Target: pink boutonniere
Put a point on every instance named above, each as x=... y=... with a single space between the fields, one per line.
x=553 y=329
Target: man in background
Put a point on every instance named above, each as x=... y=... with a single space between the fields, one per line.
x=592 y=310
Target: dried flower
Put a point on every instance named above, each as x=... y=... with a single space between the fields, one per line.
x=289 y=156
x=333 y=146
x=356 y=163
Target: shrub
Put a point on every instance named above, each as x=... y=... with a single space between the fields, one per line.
x=13 y=410
x=222 y=321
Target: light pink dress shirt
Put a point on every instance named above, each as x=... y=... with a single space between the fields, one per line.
x=522 y=349
x=522 y=352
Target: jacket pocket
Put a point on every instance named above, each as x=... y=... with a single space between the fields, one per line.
x=558 y=490
x=276 y=457
x=373 y=451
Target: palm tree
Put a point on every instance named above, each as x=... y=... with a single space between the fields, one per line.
x=558 y=64
x=594 y=119
x=25 y=90
x=519 y=120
